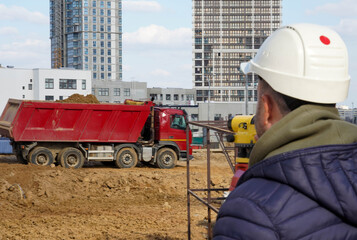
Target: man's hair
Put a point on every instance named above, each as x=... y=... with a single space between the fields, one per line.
x=285 y=103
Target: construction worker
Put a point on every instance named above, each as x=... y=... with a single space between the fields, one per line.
x=302 y=176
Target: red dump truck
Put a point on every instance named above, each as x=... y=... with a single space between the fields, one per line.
x=44 y=133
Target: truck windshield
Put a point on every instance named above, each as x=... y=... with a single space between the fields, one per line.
x=178 y=122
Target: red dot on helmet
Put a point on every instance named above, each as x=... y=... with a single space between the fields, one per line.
x=325 y=40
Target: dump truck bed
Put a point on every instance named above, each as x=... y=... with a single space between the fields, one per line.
x=26 y=121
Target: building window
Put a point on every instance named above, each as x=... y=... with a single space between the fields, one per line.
x=189 y=97
x=168 y=96
x=23 y=87
x=30 y=87
x=60 y=97
x=84 y=84
x=49 y=83
x=23 y=96
x=93 y=91
x=116 y=91
x=49 y=98
x=103 y=91
x=176 y=97
x=68 y=84
x=126 y=92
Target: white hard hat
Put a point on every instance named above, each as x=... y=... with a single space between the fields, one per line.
x=304 y=61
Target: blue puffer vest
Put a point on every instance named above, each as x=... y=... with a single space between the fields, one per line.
x=309 y=193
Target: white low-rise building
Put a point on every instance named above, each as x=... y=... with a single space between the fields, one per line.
x=42 y=84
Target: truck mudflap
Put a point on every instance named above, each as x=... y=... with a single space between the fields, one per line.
x=183 y=156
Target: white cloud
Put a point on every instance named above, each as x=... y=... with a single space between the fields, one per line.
x=343 y=8
x=17 y=13
x=347 y=27
x=159 y=36
x=8 y=31
x=32 y=53
x=141 y=6
x=160 y=73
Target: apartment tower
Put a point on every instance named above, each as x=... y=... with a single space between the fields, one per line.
x=87 y=34
x=226 y=33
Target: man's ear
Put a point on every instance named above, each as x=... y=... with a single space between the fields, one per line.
x=272 y=112
x=267 y=105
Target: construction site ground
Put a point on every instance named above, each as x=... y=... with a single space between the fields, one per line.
x=104 y=202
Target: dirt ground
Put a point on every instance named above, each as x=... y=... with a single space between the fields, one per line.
x=102 y=202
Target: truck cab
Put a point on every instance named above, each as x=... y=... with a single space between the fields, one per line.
x=170 y=130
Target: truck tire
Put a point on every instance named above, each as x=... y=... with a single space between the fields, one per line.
x=41 y=156
x=166 y=158
x=71 y=158
x=126 y=158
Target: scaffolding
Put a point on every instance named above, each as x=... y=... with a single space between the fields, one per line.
x=220 y=130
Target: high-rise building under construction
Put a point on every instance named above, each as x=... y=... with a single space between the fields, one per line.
x=226 y=33
x=87 y=34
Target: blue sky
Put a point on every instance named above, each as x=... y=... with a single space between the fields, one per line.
x=157 y=36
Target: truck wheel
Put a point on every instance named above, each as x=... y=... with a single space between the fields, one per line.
x=166 y=158
x=71 y=158
x=126 y=158
x=41 y=156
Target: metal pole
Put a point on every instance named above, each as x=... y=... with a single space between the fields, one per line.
x=188 y=182
x=246 y=94
x=209 y=97
x=209 y=183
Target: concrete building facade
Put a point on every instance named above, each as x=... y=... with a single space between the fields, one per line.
x=87 y=35
x=348 y=114
x=185 y=98
x=172 y=96
x=119 y=91
x=225 y=34
x=42 y=84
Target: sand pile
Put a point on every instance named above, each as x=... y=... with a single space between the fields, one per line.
x=78 y=98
